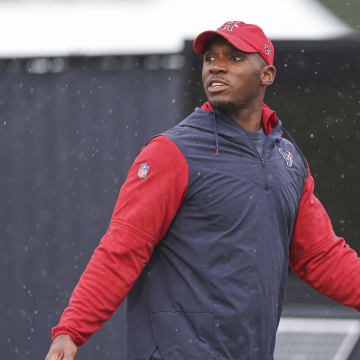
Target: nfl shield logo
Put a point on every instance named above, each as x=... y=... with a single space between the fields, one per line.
x=267 y=49
x=143 y=170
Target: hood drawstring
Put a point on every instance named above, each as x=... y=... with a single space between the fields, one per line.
x=216 y=135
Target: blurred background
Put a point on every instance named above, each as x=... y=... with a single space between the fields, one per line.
x=84 y=85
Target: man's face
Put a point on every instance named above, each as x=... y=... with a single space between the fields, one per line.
x=231 y=78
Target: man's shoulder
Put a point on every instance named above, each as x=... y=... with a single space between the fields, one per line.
x=198 y=120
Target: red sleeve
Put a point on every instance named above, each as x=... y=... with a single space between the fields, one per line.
x=319 y=257
x=147 y=203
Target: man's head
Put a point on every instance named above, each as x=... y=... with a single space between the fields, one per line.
x=237 y=65
x=245 y=37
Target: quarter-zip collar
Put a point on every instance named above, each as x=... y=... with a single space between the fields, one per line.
x=269 y=119
x=215 y=121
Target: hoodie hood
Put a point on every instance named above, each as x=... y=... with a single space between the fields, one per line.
x=269 y=119
x=218 y=123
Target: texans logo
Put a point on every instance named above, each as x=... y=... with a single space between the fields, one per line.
x=288 y=157
x=229 y=26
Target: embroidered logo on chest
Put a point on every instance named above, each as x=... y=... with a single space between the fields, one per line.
x=288 y=157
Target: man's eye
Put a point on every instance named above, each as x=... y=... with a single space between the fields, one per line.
x=209 y=58
x=237 y=58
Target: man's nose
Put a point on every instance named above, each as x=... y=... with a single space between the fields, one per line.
x=218 y=67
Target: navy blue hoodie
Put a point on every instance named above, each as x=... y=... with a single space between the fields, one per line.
x=213 y=287
x=200 y=239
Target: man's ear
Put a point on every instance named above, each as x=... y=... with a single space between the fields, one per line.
x=268 y=75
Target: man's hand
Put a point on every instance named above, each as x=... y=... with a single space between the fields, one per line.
x=62 y=348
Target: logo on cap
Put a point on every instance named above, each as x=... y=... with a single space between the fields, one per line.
x=267 y=49
x=229 y=26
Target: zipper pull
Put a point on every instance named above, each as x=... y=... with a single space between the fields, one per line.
x=263 y=162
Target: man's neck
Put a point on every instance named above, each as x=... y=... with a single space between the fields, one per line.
x=249 y=118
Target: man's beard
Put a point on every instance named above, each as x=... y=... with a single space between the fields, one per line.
x=228 y=107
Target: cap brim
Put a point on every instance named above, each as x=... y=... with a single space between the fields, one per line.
x=203 y=39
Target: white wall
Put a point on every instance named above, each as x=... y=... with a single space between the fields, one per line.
x=60 y=28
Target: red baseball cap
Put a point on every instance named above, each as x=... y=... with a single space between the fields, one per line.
x=245 y=37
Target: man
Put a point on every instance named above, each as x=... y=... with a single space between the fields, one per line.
x=210 y=215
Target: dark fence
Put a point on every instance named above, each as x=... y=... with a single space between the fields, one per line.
x=69 y=130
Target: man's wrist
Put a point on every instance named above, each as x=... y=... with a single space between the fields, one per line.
x=64 y=337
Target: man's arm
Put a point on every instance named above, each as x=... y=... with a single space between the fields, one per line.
x=319 y=257
x=147 y=203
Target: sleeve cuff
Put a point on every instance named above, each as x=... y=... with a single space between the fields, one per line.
x=78 y=339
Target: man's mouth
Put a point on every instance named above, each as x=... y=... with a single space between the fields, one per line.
x=217 y=85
